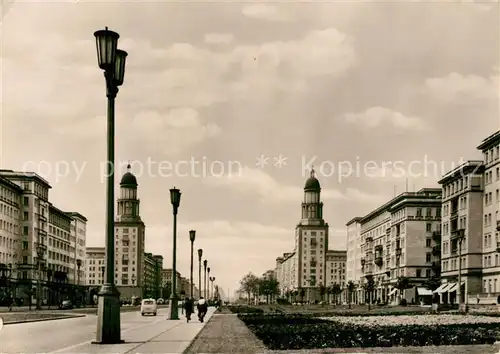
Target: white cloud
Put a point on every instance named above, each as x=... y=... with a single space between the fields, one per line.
x=265 y=12
x=456 y=87
x=376 y=116
x=219 y=38
x=175 y=131
x=258 y=183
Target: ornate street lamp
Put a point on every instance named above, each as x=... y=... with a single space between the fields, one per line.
x=212 y=279
x=461 y=236
x=200 y=254
x=175 y=199
x=78 y=266
x=192 y=236
x=112 y=61
x=40 y=251
x=208 y=283
x=205 y=262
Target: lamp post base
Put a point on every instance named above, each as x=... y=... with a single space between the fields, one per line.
x=108 y=316
x=173 y=309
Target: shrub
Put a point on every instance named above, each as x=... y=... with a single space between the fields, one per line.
x=245 y=309
x=306 y=332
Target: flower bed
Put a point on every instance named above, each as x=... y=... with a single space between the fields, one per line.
x=308 y=332
x=421 y=320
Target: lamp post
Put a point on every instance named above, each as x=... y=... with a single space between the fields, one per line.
x=200 y=254
x=398 y=270
x=78 y=266
x=40 y=250
x=208 y=283
x=461 y=237
x=133 y=279
x=205 y=278
x=212 y=279
x=175 y=199
x=192 y=236
x=112 y=61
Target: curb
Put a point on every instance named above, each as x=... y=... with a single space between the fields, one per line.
x=44 y=319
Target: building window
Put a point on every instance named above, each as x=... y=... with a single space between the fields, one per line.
x=428 y=257
x=419 y=212
x=428 y=227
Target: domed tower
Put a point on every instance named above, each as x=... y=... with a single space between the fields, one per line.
x=312 y=207
x=128 y=204
x=129 y=238
x=311 y=242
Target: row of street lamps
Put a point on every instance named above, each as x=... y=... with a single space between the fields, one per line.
x=112 y=61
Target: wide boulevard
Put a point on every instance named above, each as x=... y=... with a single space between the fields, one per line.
x=62 y=335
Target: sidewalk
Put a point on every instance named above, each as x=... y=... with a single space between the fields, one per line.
x=160 y=336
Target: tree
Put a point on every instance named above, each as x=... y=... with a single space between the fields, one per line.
x=249 y=285
x=369 y=287
x=432 y=283
x=335 y=289
x=402 y=284
x=351 y=287
x=322 y=291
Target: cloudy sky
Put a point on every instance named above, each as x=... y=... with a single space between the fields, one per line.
x=368 y=92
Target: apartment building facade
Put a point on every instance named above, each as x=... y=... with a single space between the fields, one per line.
x=37 y=244
x=353 y=254
x=400 y=239
x=462 y=210
x=490 y=148
x=95 y=264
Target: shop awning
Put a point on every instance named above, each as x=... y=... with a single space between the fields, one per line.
x=392 y=292
x=424 y=292
x=442 y=288
x=454 y=287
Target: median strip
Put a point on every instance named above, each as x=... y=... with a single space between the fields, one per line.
x=16 y=318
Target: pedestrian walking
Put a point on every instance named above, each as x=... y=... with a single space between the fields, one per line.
x=202 y=309
x=189 y=308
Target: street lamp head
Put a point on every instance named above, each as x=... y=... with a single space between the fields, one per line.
x=119 y=72
x=107 y=42
x=192 y=235
x=78 y=263
x=208 y=270
x=175 y=197
x=200 y=253
x=213 y=278
x=205 y=263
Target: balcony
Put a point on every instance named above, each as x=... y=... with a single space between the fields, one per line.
x=379 y=248
x=369 y=239
x=313 y=263
x=436 y=236
x=454 y=213
x=498 y=247
x=379 y=261
x=368 y=273
x=41 y=217
x=454 y=251
x=41 y=232
x=388 y=231
x=436 y=250
x=498 y=225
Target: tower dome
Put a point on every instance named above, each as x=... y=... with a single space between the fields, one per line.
x=312 y=183
x=128 y=179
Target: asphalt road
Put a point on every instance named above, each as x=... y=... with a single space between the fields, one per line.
x=52 y=336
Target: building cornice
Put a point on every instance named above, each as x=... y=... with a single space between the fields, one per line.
x=490 y=141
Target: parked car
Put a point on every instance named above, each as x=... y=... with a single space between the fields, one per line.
x=149 y=306
x=160 y=301
x=66 y=305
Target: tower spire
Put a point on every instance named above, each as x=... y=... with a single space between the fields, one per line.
x=312 y=171
x=128 y=166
